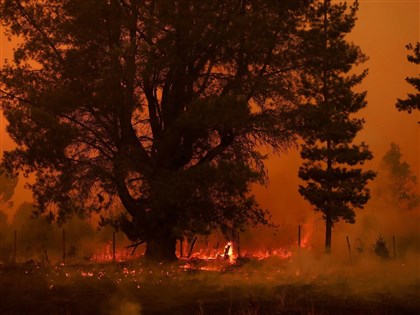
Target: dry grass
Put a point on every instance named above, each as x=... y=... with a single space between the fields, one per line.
x=255 y=288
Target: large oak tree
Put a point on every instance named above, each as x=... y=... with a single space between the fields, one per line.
x=158 y=105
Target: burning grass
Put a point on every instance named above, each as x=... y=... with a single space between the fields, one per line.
x=298 y=283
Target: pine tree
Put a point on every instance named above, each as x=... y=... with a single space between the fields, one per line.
x=334 y=182
x=412 y=102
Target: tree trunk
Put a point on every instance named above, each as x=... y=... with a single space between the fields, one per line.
x=161 y=248
x=328 y=228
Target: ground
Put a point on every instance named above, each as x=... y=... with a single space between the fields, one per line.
x=272 y=286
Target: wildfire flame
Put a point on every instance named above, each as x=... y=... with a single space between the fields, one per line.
x=228 y=255
x=228 y=252
x=307 y=233
x=214 y=258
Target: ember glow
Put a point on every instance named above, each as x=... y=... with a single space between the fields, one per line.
x=106 y=253
x=281 y=253
x=206 y=259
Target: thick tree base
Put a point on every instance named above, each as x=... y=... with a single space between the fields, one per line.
x=162 y=250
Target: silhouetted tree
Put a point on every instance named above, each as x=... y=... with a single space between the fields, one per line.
x=334 y=183
x=7 y=186
x=5 y=246
x=412 y=102
x=399 y=183
x=7 y=191
x=159 y=103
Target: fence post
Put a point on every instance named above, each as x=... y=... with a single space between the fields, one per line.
x=113 y=246
x=192 y=247
x=394 y=247
x=14 y=246
x=348 y=246
x=299 y=236
x=64 y=246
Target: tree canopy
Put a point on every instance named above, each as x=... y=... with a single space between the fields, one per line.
x=157 y=105
x=412 y=102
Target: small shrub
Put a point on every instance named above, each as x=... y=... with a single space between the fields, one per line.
x=381 y=249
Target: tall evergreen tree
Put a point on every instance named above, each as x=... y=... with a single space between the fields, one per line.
x=334 y=182
x=412 y=102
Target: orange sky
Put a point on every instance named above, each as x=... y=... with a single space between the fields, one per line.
x=383 y=29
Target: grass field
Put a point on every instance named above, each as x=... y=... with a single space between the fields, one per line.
x=272 y=286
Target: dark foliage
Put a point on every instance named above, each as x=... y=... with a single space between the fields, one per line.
x=412 y=102
x=158 y=106
x=335 y=182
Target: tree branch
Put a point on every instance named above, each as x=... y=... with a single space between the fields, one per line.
x=40 y=30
